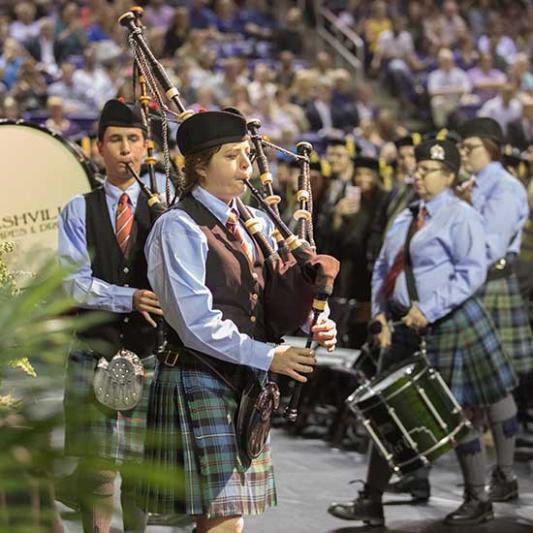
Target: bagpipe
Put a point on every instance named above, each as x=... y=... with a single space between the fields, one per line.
x=320 y=270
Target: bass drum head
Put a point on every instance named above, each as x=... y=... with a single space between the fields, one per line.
x=41 y=172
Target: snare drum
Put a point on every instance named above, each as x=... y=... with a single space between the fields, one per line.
x=410 y=414
x=41 y=172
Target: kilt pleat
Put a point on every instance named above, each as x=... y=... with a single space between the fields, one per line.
x=216 y=482
x=93 y=430
x=164 y=448
x=504 y=303
x=468 y=353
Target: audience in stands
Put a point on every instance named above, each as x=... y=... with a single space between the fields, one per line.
x=442 y=62
x=446 y=86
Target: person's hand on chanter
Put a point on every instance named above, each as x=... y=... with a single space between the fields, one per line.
x=293 y=362
x=325 y=333
x=146 y=302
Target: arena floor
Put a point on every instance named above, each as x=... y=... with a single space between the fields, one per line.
x=310 y=475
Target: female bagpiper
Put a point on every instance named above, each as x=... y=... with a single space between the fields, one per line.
x=502 y=202
x=223 y=304
x=447 y=254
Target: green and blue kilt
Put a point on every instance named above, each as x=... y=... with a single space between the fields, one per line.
x=93 y=430
x=504 y=303
x=191 y=421
x=467 y=352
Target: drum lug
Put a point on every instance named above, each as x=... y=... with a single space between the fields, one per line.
x=406 y=435
x=377 y=441
x=431 y=407
x=457 y=407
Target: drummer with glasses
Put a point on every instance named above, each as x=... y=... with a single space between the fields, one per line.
x=429 y=293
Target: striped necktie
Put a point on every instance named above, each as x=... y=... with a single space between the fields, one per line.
x=233 y=227
x=398 y=264
x=124 y=222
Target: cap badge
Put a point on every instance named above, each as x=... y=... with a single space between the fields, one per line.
x=437 y=153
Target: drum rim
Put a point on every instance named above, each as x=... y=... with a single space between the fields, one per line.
x=412 y=360
x=88 y=166
x=442 y=442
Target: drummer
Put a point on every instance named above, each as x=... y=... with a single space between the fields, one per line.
x=435 y=298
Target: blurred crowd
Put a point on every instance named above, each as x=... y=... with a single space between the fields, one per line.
x=447 y=61
x=61 y=60
x=442 y=61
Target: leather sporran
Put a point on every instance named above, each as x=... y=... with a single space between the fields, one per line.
x=254 y=416
x=118 y=383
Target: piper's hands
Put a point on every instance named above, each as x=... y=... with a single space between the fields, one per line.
x=293 y=362
x=384 y=337
x=415 y=319
x=325 y=333
x=146 y=302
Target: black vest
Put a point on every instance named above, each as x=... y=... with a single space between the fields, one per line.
x=236 y=285
x=123 y=330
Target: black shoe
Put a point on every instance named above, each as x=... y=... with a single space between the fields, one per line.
x=364 y=508
x=470 y=513
x=419 y=488
x=502 y=489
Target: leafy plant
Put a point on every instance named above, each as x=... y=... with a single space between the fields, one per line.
x=36 y=329
x=33 y=322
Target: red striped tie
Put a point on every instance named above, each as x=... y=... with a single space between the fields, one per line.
x=233 y=227
x=124 y=222
x=398 y=264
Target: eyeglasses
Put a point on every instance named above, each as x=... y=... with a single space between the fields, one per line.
x=469 y=148
x=423 y=172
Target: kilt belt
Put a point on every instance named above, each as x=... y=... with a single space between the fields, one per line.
x=501 y=269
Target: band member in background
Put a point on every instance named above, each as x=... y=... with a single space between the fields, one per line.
x=447 y=254
x=221 y=304
x=101 y=237
x=502 y=202
x=399 y=197
x=348 y=241
x=339 y=158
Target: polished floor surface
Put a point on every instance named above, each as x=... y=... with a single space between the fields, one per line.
x=310 y=475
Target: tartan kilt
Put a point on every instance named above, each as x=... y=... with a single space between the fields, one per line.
x=191 y=418
x=466 y=350
x=504 y=303
x=93 y=430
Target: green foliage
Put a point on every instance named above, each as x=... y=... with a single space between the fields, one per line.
x=37 y=324
x=34 y=322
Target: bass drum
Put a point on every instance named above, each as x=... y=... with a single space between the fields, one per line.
x=41 y=172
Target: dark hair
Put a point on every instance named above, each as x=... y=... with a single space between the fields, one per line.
x=192 y=163
x=493 y=148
